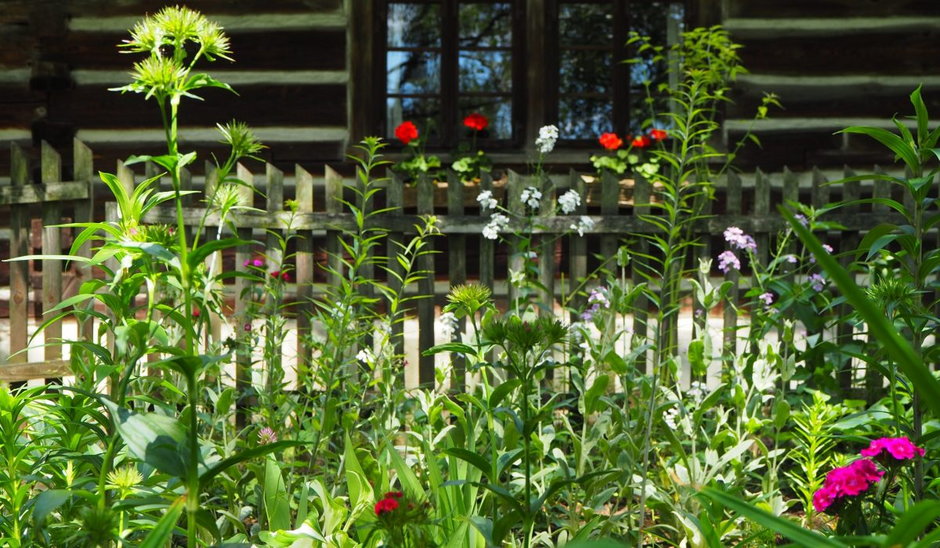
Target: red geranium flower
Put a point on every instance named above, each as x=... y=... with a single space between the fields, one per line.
x=385 y=506
x=658 y=134
x=406 y=132
x=476 y=121
x=640 y=142
x=394 y=495
x=610 y=141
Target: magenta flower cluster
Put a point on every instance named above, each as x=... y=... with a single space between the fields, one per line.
x=727 y=260
x=857 y=477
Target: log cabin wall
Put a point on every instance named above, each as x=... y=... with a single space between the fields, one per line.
x=833 y=63
x=58 y=59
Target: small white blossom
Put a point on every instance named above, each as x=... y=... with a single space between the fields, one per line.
x=569 y=201
x=531 y=197
x=366 y=356
x=497 y=222
x=448 y=323
x=546 y=140
x=486 y=200
x=583 y=225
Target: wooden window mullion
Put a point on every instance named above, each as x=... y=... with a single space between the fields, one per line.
x=449 y=71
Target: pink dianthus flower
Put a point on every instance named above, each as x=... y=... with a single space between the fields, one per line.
x=900 y=448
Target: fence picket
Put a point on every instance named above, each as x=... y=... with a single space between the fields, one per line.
x=303 y=194
x=395 y=201
x=457 y=270
x=50 y=172
x=425 y=203
x=243 y=327
x=733 y=207
x=577 y=249
x=642 y=193
x=19 y=270
x=851 y=191
x=487 y=246
x=83 y=170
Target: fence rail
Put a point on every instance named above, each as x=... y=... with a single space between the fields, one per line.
x=44 y=194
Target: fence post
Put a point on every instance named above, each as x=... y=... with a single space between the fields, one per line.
x=242 y=299
x=516 y=208
x=51 y=172
x=733 y=207
x=577 y=248
x=546 y=250
x=851 y=191
x=83 y=170
x=457 y=271
x=19 y=270
x=334 y=206
x=642 y=194
x=610 y=207
x=304 y=275
x=487 y=247
x=425 y=203
x=395 y=201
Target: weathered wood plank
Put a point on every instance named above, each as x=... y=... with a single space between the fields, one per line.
x=19 y=372
x=457 y=271
x=334 y=208
x=83 y=171
x=305 y=267
x=848 y=241
x=19 y=270
x=426 y=323
x=51 y=171
x=610 y=205
x=49 y=192
x=517 y=183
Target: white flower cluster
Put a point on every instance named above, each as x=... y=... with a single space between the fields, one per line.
x=531 y=197
x=546 y=139
x=569 y=201
x=486 y=200
x=583 y=225
x=497 y=222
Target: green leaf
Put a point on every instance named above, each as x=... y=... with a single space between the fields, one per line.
x=47 y=501
x=459 y=348
x=199 y=254
x=276 y=502
x=913 y=522
x=471 y=458
x=501 y=391
x=158 y=440
x=879 y=326
x=160 y=535
x=593 y=395
x=902 y=150
x=920 y=112
x=790 y=530
x=245 y=455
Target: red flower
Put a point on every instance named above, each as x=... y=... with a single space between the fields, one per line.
x=406 y=132
x=610 y=141
x=640 y=142
x=276 y=274
x=658 y=134
x=476 y=121
x=394 y=495
x=385 y=506
x=196 y=313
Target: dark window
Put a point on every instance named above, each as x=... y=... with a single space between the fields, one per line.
x=443 y=59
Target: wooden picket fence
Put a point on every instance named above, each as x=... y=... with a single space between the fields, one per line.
x=47 y=195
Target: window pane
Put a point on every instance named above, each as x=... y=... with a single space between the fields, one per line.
x=498 y=110
x=485 y=25
x=424 y=112
x=584 y=118
x=412 y=72
x=585 y=71
x=485 y=71
x=586 y=24
x=414 y=25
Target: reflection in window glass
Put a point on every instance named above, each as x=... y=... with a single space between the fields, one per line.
x=424 y=112
x=484 y=71
x=414 y=26
x=582 y=117
x=586 y=24
x=585 y=71
x=413 y=72
x=485 y=25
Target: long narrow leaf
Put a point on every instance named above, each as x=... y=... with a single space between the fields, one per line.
x=883 y=330
x=792 y=531
x=160 y=535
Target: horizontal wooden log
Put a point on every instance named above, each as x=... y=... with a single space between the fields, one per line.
x=48 y=192
x=473 y=224
x=34 y=370
x=90 y=8
x=258 y=105
x=772 y=9
x=870 y=52
x=322 y=49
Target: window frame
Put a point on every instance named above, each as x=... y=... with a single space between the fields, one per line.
x=535 y=26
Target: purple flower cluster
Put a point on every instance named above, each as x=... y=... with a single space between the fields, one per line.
x=739 y=240
x=597 y=300
x=728 y=261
